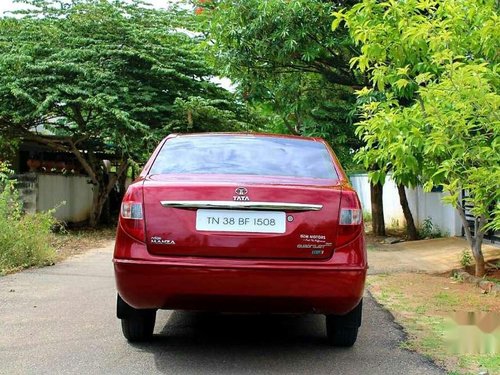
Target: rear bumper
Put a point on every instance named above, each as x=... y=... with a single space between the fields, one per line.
x=232 y=285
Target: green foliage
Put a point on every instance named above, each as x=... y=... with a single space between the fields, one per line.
x=8 y=148
x=105 y=72
x=490 y=362
x=406 y=44
x=197 y=114
x=112 y=78
x=405 y=47
x=288 y=65
x=429 y=229
x=9 y=204
x=395 y=224
x=462 y=148
x=384 y=127
x=435 y=65
x=257 y=39
x=24 y=239
x=466 y=259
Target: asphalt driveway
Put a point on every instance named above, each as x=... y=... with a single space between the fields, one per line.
x=61 y=320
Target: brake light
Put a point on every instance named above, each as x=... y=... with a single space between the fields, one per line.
x=132 y=210
x=132 y=214
x=350 y=218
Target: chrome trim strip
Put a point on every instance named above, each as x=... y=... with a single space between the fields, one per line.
x=243 y=205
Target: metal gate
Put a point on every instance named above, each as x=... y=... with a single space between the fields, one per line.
x=493 y=236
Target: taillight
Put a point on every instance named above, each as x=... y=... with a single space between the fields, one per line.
x=350 y=218
x=132 y=214
x=132 y=210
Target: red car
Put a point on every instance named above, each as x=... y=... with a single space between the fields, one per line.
x=241 y=223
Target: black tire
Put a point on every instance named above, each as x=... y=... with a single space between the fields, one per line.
x=342 y=330
x=139 y=325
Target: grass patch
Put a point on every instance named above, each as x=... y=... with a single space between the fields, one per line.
x=490 y=362
x=426 y=306
x=24 y=239
x=446 y=299
x=40 y=247
x=27 y=240
x=370 y=247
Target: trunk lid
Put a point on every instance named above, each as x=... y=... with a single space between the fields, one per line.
x=210 y=217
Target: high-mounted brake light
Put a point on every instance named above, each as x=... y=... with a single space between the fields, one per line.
x=131 y=213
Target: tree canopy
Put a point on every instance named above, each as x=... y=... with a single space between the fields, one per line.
x=93 y=76
x=288 y=64
x=431 y=115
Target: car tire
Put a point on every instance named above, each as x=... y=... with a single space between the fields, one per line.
x=139 y=326
x=342 y=330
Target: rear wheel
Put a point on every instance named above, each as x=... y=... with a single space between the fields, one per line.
x=342 y=330
x=137 y=324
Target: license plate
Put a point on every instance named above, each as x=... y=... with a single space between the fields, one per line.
x=240 y=221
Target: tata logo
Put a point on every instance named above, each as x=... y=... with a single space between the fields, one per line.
x=241 y=194
x=241 y=191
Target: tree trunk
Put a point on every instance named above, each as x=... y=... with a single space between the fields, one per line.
x=477 y=248
x=98 y=200
x=378 y=224
x=480 y=267
x=476 y=241
x=411 y=230
x=122 y=182
x=102 y=189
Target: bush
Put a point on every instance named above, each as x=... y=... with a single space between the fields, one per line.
x=24 y=239
x=430 y=230
x=466 y=258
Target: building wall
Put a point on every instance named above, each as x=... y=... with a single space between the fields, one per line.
x=422 y=205
x=73 y=190
x=42 y=192
x=27 y=185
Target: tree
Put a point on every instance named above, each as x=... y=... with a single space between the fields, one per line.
x=286 y=62
x=436 y=62
x=289 y=65
x=385 y=134
x=278 y=37
x=94 y=78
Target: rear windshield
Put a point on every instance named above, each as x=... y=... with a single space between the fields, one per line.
x=244 y=155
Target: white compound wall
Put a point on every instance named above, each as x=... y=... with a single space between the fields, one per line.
x=422 y=205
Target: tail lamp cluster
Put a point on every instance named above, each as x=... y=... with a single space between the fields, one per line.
x=350 y=218
x=132 y=214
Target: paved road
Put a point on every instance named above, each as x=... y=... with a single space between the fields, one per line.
x=60 y=320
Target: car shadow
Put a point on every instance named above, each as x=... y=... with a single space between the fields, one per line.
x=236 y=343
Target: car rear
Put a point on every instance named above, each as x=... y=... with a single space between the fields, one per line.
x=241 y=223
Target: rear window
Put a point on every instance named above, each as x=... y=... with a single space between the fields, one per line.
x=245 y=155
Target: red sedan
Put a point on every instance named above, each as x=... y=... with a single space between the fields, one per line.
x=241 y=223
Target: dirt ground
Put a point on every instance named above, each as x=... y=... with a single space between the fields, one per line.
x=76 y=241
x=455 y=323
x=492 y=270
